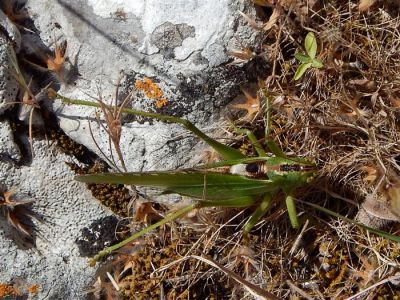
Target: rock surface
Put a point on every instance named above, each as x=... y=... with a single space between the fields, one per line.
x=180 y=45
x=8 y=85
x=55 y=264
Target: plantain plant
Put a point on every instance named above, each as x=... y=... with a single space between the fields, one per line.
x=251 y=182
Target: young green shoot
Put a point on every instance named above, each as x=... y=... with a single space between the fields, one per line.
x=309 y=59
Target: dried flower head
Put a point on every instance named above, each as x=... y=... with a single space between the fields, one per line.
x=16 y=212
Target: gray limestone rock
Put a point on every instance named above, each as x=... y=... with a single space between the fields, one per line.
x=8 y=85
x=181 y=45
x=67 y=209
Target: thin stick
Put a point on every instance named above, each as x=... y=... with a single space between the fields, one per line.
x=373 y=286
x=255 y=290
x=168 y=218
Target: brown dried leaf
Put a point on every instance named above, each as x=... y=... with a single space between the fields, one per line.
x=241 y=56
x=395 y=101
x=251 y=22
x=365 y=85
x=351 y=109
x=145 y=212
x=371 y=173
x=55 y=63
x=16 y=212
x=379 y=208
x=263 y=2
x=252 y=105
x=277 y=12
x=394 y=198
x=365 y=5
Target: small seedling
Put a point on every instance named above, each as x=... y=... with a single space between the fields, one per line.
x=16 y=212
x=308 y=60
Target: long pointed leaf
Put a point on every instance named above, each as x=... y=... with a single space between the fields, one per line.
x=225 y=151
x=203 y=185
x=381 y=233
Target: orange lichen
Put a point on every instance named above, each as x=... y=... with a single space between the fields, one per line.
x=8 y=290
x=161 y=103
x=33 y=289
x=152 y=91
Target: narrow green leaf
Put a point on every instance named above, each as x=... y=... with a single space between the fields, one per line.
x=274 y=148
x=302 y=57
x=168 y=218
x=202 y=185
x=316 y=63
x=301 y=70
x=225 y=151
x=310 y=44
x=381 y=233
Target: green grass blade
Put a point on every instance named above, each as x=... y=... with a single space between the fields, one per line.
x=292 y=212
x=207 y=185
x=168 y=218
x=381 y=233
x=225 y=151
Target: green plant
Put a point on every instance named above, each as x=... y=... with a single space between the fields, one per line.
x=308 y=60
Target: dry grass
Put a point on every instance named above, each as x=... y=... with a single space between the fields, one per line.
x=345 y=116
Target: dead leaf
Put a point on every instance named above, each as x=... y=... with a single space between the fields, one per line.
x=371 y=173
x=351 y=109
x=55 y=63
x=365 y=5
x=379 y=208
x=263 y=2
x=241 y=56
x=145 y=212
x=365 y=85
x=277 y=12
x=252 y=105
x=394 y=198
x=395 y=101
x=251 y=22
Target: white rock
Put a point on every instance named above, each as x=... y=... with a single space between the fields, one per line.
x=8 y=84
x=56 y=264
x=178 y=43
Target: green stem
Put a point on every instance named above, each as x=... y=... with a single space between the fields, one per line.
x=225 y=151
x=250 y=135
x=168 y=218
x=267 y=121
